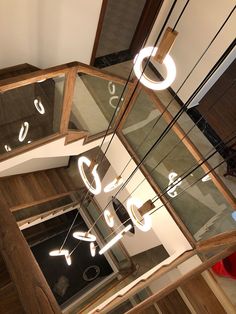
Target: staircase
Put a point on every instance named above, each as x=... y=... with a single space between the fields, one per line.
x=38 y=195
x=9 y=300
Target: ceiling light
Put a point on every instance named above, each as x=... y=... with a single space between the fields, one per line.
x=61 y=253
x=115 y=239
x=92 y=249
x=38 y=105
x=23 y=131
x=168 y=62
x=144 y=223
x=84 y=236
x=113 y=185
x=108 y=218
x=7 y=148
x=84 y=160
x=173 y=184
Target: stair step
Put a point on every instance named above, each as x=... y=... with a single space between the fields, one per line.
x=63 y=174
x=44 y=183
x=17 y=70
x=56 y=180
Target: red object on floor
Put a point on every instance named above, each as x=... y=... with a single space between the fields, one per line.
x=226 y=267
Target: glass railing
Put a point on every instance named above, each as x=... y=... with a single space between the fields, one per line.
x=195 y=198
x=94 y=103
x=30 y=112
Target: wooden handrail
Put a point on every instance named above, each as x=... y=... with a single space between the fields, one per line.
x=144 y=282
x=34 y=293
x=222 y=239
x=165 y=291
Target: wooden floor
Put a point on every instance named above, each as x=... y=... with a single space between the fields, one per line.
x=222 y=96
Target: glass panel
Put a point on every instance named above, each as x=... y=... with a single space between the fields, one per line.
x=198 y=202
x=94 y=102
x=105 y=231
x=30 y=113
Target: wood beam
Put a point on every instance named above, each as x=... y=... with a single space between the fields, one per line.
x=33 y=290
x=222 y=239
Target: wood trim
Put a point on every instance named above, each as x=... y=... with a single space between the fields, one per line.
x=68 y=99
x=33 y=77
x=103 y=74
x=145 y=24
x=33 y=290
x=222 y=239
x=130 y=98
x=99 y=30
x=165 y=291
x=193 y=150
x=142 y=284
x=158 y=191
x=33 y=145
x=75 y=135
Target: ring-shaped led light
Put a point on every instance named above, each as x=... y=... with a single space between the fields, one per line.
x=23 y=131
x=84 y=236
x=111 y=87
x=109 y=218
x=113 y=185
x=92 y=249
x=146 y=223
x=7 y=148
x=38 y=105
x=61 y=253
x=84 y=160
x=168 y=62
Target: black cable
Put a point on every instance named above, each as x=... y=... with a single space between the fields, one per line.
x=176 y=23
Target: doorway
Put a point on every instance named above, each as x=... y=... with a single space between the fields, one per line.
x=122 y=28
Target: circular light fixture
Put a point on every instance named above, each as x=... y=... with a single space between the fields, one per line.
x=23 y=131
x=84 y=160
x=111 y=88
x=108 y=218
x=144 y=224
x=168 y=62
x=38 y=105
x=173 y=184
x=113 y=185
x=7 y=148
x=92 y=249
x=61 y=253
x=84 y=236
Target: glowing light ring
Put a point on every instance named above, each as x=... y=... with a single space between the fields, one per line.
x=168 y=62
x=206 y=178
x=173 y=184
x=7 y=148
x=111 y=99
x=84 y=236
x=146 y=223
x=113 y=185
x=39 y=106
x=61 y=253
x=109 y=218
x=111 y=88
x=23 y=131
x=114 y=240
x=92 y=249
x=84 y=160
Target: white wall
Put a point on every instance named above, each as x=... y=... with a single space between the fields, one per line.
x=197 y=27
x=164 y=229
x=47 y=33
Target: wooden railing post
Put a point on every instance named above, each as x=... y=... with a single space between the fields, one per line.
x=34 y=293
